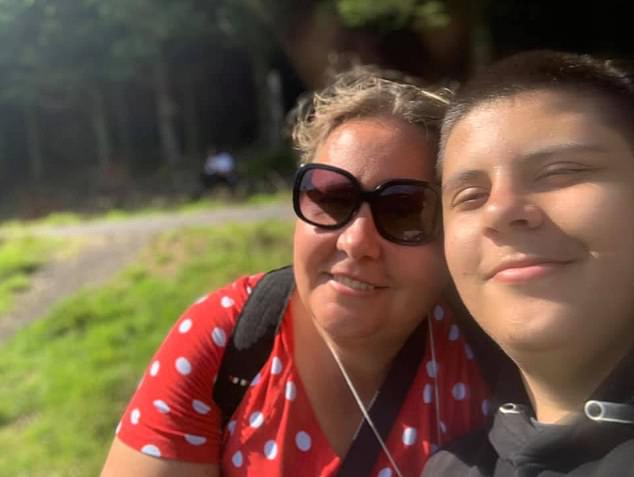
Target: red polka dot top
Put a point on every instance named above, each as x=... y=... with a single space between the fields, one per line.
x=274 y=431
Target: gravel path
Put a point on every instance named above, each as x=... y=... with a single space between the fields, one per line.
x=108 y=247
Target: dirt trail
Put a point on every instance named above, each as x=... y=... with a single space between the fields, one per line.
x=109 y=246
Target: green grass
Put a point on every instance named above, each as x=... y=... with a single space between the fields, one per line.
x=20 y=256
x=66 y=379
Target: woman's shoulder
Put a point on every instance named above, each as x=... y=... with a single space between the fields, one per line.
x=231 y=296
x=171 y=414
x=220 y=308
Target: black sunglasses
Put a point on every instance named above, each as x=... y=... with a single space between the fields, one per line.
x=405 y=211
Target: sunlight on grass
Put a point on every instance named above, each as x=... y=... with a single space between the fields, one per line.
x=20 y=256
x=66 y=379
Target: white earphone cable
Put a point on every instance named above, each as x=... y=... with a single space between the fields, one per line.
x=362 y=407
x=435 y=378
x=364 y=411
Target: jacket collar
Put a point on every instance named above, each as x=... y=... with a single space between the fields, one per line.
x=518 y=438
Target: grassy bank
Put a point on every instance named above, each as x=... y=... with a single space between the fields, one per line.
x=20 y=256
x=66 y=379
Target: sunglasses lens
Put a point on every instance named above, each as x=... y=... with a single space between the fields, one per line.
x=406 y=213
x=326 y=198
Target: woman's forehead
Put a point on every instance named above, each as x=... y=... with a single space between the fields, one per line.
x=389 y=146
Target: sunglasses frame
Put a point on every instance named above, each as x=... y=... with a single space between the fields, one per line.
x=369 y=197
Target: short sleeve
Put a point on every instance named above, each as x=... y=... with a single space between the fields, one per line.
x=171 y=414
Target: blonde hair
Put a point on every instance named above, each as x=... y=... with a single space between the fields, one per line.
x=361 y=92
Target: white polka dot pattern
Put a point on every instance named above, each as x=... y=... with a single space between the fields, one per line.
x=270 y=450
x=135 y=416
x=290 y=391
x=428 y=393
x=155 y=368
x=276 y=365
x=303 y=441
x=219 y=337
x=409 y=436
x=231 y=427
x=200 y=407
x=195 y=440
x=459 y=391
x=237 y=459
x=183 y=366
x=256 y=419
x=152 y=450
x=185 y=326
x=385 y=472
x=270 y=434
x=439 y=313
x=432 y=368
x=161 y=406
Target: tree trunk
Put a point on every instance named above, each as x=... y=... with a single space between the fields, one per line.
x=190 y=119
x=259 y=69
x=3 y=155
x=33 y=143
x=99 y=120
x=122 y=123
x=166 y=112
x=479 y=34
x=275 y=107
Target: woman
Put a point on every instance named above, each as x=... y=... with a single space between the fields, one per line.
x=538 y=189
x=369 y=271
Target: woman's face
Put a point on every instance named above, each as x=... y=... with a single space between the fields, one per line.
x=538 y=191
x=352 y=281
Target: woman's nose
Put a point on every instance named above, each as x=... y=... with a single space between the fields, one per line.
x=360 y=238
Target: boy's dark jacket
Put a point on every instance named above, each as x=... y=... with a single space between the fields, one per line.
x=515 y=446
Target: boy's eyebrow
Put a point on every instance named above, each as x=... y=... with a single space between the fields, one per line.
x=572 y=147
x=460 y=178
x=540 y=153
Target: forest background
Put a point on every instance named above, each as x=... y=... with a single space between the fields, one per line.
x=113 y=103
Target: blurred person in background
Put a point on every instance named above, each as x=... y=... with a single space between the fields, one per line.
x=219 y=169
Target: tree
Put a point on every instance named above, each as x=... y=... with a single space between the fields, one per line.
x=48 y=65
x=151 y=30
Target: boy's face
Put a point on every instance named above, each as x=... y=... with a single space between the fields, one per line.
x=538 y=198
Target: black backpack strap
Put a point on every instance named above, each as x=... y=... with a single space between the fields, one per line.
x=363 y=453
x=252 y=339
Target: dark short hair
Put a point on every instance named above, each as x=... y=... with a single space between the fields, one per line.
x=546 y=70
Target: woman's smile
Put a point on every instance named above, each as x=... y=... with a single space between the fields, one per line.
x=351 y=283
